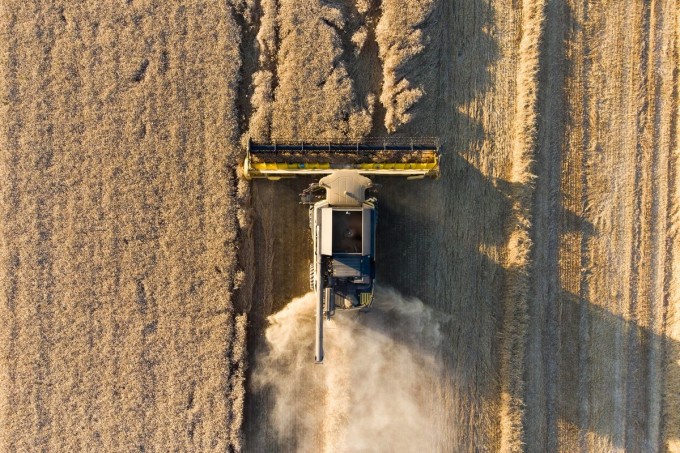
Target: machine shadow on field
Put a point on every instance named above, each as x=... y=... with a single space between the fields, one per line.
x=574 y=386
x=442 y=240
x=627 y=412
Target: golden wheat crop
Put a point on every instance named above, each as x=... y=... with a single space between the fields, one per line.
x=119 y=209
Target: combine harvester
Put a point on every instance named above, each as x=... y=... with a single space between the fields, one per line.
x=343 y=222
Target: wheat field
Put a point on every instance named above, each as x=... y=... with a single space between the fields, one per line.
x=139 y=270
x=121 y=330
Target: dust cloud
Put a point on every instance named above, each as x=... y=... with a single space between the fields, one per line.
x=376 y=390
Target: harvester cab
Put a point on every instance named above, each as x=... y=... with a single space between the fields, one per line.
x=341 y=217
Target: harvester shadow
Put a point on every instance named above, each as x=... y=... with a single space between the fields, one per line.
x=596 y=374
x=626 y=408
x=608 y=378
x=447 y=272
x=441 y=241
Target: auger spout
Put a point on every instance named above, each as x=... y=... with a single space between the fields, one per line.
x=318 y=346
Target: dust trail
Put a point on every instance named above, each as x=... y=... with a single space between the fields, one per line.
x=376 y=390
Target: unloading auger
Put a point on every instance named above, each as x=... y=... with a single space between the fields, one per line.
x=342 y=220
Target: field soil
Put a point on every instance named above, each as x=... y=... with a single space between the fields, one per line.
x=533 y=290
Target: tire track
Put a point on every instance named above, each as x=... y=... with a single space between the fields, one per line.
x=670 y=423
x=575 y=232
x=635 y=392
x=578 y=229
x=659 y=100
x=520 y=245
x=544 y=370
x=657 y=229
x=585 y=104
x=628 y=229
x=597 y=332
x=613 y=189
x=654 y=251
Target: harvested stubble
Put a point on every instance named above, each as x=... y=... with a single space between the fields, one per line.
x=606 y=236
